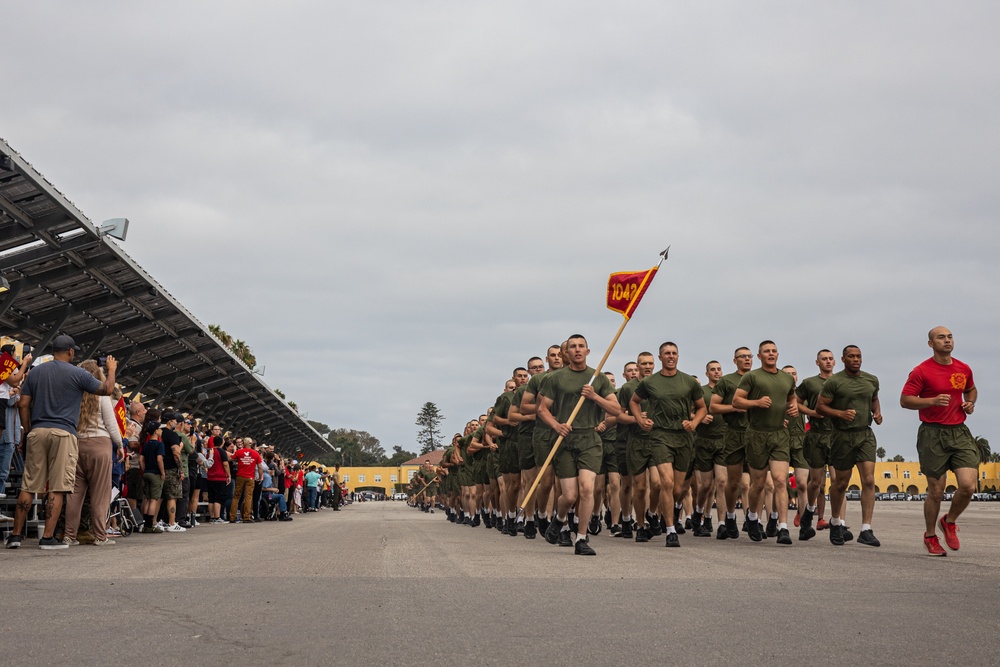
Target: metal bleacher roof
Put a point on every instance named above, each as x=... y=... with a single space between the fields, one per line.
x=66 y=278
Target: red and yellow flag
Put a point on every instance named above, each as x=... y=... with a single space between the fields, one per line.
x=625 y=290
x=121 y=415
x=8 y=365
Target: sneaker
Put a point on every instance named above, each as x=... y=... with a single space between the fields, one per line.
x=722 y=533
x=798 y=518
x=654 y=527
x=806 y=531
x=706 y=527
x=5 y=519
x=822 y=524
x=543 y=525
x=837 y=535
x=529 y=530
x=13 y=541
x=156 y=530
x=184 y=524
x=627 y=530
x=746 y=525
x=616 y=530
x=51 y=544
x=607 y=519
x=112 y=532
x=689 y=523
x=218 y=521
x=552 y=532
x=783 y=536
x=679 y=528
x=177 y=528
x=932 y=544
x=754 y=531
x=846 y=533
x=642 y=534
x=582 y=548
x=772 y=528
x=672 y=540
x=594 y=527
x=694 y=524
x=285 y=516
x=70 y=542
x=731 y=531
x=950 y=531
x=867 y=537
x=160 y=524
x=565 y=539
x=103 y=543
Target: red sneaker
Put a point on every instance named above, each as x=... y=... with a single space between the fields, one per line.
x=933 y=546
x=950 y=533
x=822 y=524
x=797 y=518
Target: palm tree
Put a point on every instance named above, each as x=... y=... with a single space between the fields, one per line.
x=219 y=333
x=985 y=454
x=880 y=453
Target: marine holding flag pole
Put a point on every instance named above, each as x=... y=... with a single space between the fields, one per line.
x=625 y=290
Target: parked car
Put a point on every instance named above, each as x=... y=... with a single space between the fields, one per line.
x=900 y=496
x=853 y=495
x=947 y=495
x=919 y=496
x=399 y=496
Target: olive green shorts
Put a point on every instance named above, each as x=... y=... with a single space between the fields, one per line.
x=796 y=450
x=509 y=464
x=816 y=448
x=582 y=450
x=848 y=448
x=525 y=451
x=662 y=446
x=431 y=490
x=610 y=463
x=708 y=453
x=734 y=447
x=762 y=447
x=480 y=470
x=541 y=442
x=943 y=448
x=466 y=476
x=621 y=456
x=492 y=466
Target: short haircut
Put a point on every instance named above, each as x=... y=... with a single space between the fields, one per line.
x=736 y=353
x=643 y=354
x=520 y=368
x=557 y=346
x=765 y=342
x=822 y=351
x=668 y=343
x=580 y=336
x=625 y=367
x=847 y=347
x=788 y=366
x=709 y=364
x=534 y=359
x=608 y=373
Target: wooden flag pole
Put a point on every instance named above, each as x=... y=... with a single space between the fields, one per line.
x=425 y=486
x=579 y=404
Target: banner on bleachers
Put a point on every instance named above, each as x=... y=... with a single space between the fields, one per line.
x=121 y=415
x=8 y=364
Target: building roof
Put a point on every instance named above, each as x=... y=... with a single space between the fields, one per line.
x=67 y=278
x=434 y=458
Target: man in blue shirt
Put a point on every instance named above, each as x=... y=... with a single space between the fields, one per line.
x=50 y=408
x=270 y=493
x=312 y=489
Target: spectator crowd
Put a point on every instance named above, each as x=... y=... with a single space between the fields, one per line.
x=66 y=435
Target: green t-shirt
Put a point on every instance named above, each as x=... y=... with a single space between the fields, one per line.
x=463 y=448
x=808 y=391
x=446 y=458
x=671 y=399
x=480 y=435
x=501 y=408
x=849 y=392
x=717 y=428
x=522 y=428
x=628 y=431
x=725 y=389
x=564 y=387
x=186 y=450
x=534 y=387
x=610 y=433
x=779 y=386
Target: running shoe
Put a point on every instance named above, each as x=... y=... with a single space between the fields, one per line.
x=950 y=533
x=627 y=530
x=932 y=544
x=51 y=544
x=772 y=527
x=867 y=537
x=783 y=536
x=566 y=540
x=837 y=535
x=672 y=540
x=583 y=549
x=754 y=531
x=642 y=534
x=616 y=530
x=822 y=524
x=798 y=519
x=5 y=519
x=13 y=541
x=529 y=530
x=552 y=532
x=594 y=527
x=731 y=531
x=103 y=543
x=70 y=542
x=175 y=528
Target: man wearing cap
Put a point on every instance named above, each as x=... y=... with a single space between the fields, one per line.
x=173 y=488
x=50 y=409
x=247 y=460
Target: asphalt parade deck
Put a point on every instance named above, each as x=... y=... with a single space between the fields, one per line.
x=382 y=584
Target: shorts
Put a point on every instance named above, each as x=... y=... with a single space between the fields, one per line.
x=762 y=447
x=816 y=448
x=172 y=488
x=525 y=451
x=610 y=462
x=942 y=448
x=581 y=450
x=509 y=464
x=492 y=466
x=848 y=448
x=621 y=456
x=133 y=479
x=796 y=450
x=662 y=446
x=431 y=490
x=479 y=472
x=465 y=473
x=708 y=453
x=50 y=460
x=152 y=486
x=734 y=447
x=542 y=440
x=217 y=491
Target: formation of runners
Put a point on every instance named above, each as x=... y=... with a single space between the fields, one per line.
x=655 y=456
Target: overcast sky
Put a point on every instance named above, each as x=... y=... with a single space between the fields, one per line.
x=395 y=203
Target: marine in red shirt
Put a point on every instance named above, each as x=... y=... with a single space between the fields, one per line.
x=944 y=393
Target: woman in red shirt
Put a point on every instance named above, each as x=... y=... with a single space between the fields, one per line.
x=218 y=479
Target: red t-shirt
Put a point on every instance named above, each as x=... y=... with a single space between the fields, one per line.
x=247 y=461
x=217 y=473
x=930 y=379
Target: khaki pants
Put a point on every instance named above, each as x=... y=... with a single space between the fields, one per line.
x=243 y=494
x=93 y=473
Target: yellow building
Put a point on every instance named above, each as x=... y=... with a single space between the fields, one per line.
x=905 y=477
x=378 y=479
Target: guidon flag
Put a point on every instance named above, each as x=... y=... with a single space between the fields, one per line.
x=625 y=290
